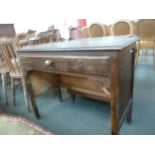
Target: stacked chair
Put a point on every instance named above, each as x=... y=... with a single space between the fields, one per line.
x=122 y=27
x=97 y=30
x=85 y=32
x=40 y=38
x=125 y=27
x=3 y=72
x=146 y=32
x=11 y=60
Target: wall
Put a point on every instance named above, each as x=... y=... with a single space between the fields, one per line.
x=7 y=30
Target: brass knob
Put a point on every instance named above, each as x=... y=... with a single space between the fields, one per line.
x=49 y=62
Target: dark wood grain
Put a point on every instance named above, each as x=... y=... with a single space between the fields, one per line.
x=83 y=65
x=101 y=69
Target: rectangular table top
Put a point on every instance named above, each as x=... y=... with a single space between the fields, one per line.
x=89 y=44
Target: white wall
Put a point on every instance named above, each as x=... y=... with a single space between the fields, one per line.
x=39 y=14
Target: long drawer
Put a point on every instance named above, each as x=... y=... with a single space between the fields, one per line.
x=92 y=65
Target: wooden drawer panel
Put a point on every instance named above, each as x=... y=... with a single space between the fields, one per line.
x=93 y=65
x=92 y=86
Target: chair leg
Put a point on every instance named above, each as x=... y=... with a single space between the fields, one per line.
x=145 y=54
x=137 y=54
x=1 y=90
x=3 y=75
x=25 y=90
x=59 y=93
x=72 y=95
x=53 y=92
x=13 y=92
x=154 y=56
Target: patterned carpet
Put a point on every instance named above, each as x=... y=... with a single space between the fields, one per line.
x=15 y=125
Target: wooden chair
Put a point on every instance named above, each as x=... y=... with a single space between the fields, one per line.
x=33 y=84
x=122 y=27
x=9 y=55
x=85 y=32
x=146 y=32
x=3 y=72
x=97 y=30
x=134 y=23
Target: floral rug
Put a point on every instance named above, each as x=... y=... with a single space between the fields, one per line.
x=15 y=125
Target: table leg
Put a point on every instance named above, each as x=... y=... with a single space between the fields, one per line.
x=129 y=114
x=32 y=98
x=114 y=120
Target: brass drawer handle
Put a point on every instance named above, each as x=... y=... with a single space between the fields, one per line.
x=49 y=62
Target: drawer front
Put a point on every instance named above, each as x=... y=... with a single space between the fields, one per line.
x=99 y=65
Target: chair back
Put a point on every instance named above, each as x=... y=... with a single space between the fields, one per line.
x=122 y=27
x=97 y=30
x=85 y=32
x=8 y=53
x=146 y=28
x=134 y=23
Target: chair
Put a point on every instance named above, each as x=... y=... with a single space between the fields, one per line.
x=85 y=32
x=122 y=27
x=97 y=30
x=33 y=84
x=3 y=72
x=134 y=23
x=9 y=55
x=146 y=32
